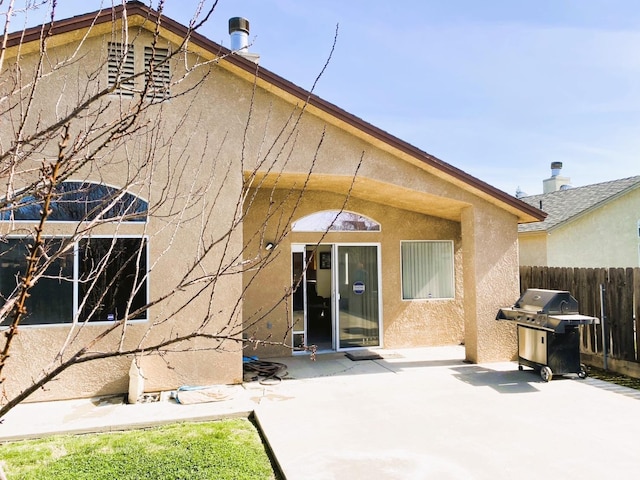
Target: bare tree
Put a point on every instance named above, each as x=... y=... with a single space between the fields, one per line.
x=101 y=181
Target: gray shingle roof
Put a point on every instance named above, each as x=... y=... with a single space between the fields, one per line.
x=564 y=205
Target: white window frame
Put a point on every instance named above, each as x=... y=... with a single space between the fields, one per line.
x=146 y=275
x=143 y=218
x=451 y=267
x=335 y=221
x=76 y=274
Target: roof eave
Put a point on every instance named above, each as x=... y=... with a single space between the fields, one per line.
x=525 y=212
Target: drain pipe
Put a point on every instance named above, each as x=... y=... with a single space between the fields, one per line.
x=604 y=325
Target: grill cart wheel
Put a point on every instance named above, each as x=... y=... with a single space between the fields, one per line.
x=583 y=371
x=546 y=374
x=520 y=367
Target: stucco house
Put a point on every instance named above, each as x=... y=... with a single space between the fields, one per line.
x=369 y=241
x=591 y=226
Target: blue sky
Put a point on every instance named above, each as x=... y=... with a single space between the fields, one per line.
x=497 y=88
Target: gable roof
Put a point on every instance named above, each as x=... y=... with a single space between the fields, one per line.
x=564 y=206
x=285 y=89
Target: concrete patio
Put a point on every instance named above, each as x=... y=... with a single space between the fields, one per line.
x=414 y=414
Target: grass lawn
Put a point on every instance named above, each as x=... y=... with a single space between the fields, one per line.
x=226 y=449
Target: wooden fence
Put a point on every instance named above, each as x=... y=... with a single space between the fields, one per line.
x=621 y=306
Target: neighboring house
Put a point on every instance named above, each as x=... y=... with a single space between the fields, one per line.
x=422 y=255
x=592 y=226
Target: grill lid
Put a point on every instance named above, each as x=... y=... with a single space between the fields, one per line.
x=550 y=302
x=551 y=310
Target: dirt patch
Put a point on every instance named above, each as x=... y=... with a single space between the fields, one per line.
x=614 y=377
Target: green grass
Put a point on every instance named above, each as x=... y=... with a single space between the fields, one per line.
x=226 y=449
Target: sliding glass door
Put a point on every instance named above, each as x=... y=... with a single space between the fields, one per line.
x=358 y=296
x=336 y=296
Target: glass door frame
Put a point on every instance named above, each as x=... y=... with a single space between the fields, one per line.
x=336 y=294
x=298 y=333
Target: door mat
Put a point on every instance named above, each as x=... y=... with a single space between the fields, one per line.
x=363 y=355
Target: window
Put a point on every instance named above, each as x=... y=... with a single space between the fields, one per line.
x=52 y=296
x=93 y=281
x=157 y=73
x=111 y=273
x=81 y=201
x=335 y=221
x=427 y=270
x=120 y=67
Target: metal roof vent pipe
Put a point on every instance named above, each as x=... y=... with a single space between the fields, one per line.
x=555 y=168
x=239 y=32
x=555 y=182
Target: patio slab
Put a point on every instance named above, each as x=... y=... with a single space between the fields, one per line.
x=413 y=414
x=425 y=414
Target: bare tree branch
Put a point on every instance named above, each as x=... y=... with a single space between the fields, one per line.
x=119 y=233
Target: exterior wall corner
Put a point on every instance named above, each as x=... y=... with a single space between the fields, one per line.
x=490 y=246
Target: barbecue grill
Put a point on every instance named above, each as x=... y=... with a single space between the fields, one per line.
x=548 y=334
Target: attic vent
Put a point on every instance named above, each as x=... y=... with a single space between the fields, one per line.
x=120 y=68
x=157 y=73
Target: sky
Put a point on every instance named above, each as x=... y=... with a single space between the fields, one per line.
x=497 y=88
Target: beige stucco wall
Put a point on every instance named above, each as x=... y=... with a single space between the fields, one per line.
x=532 y=248
x=405 y=323
x=486 y=276
x=606 y=236
x=486 y=256
x=491 y=281
x=190 y=169
x=204 y=159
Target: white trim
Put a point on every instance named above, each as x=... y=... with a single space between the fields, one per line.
x=301 y=247
x=107 y=220
x=453 y=273
x=147 y=276
x=335 y=300
x=76 y=272
x=336 y=213
x=298 y=248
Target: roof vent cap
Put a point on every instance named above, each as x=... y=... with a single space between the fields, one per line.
x=555 y=168
x=239 y=32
